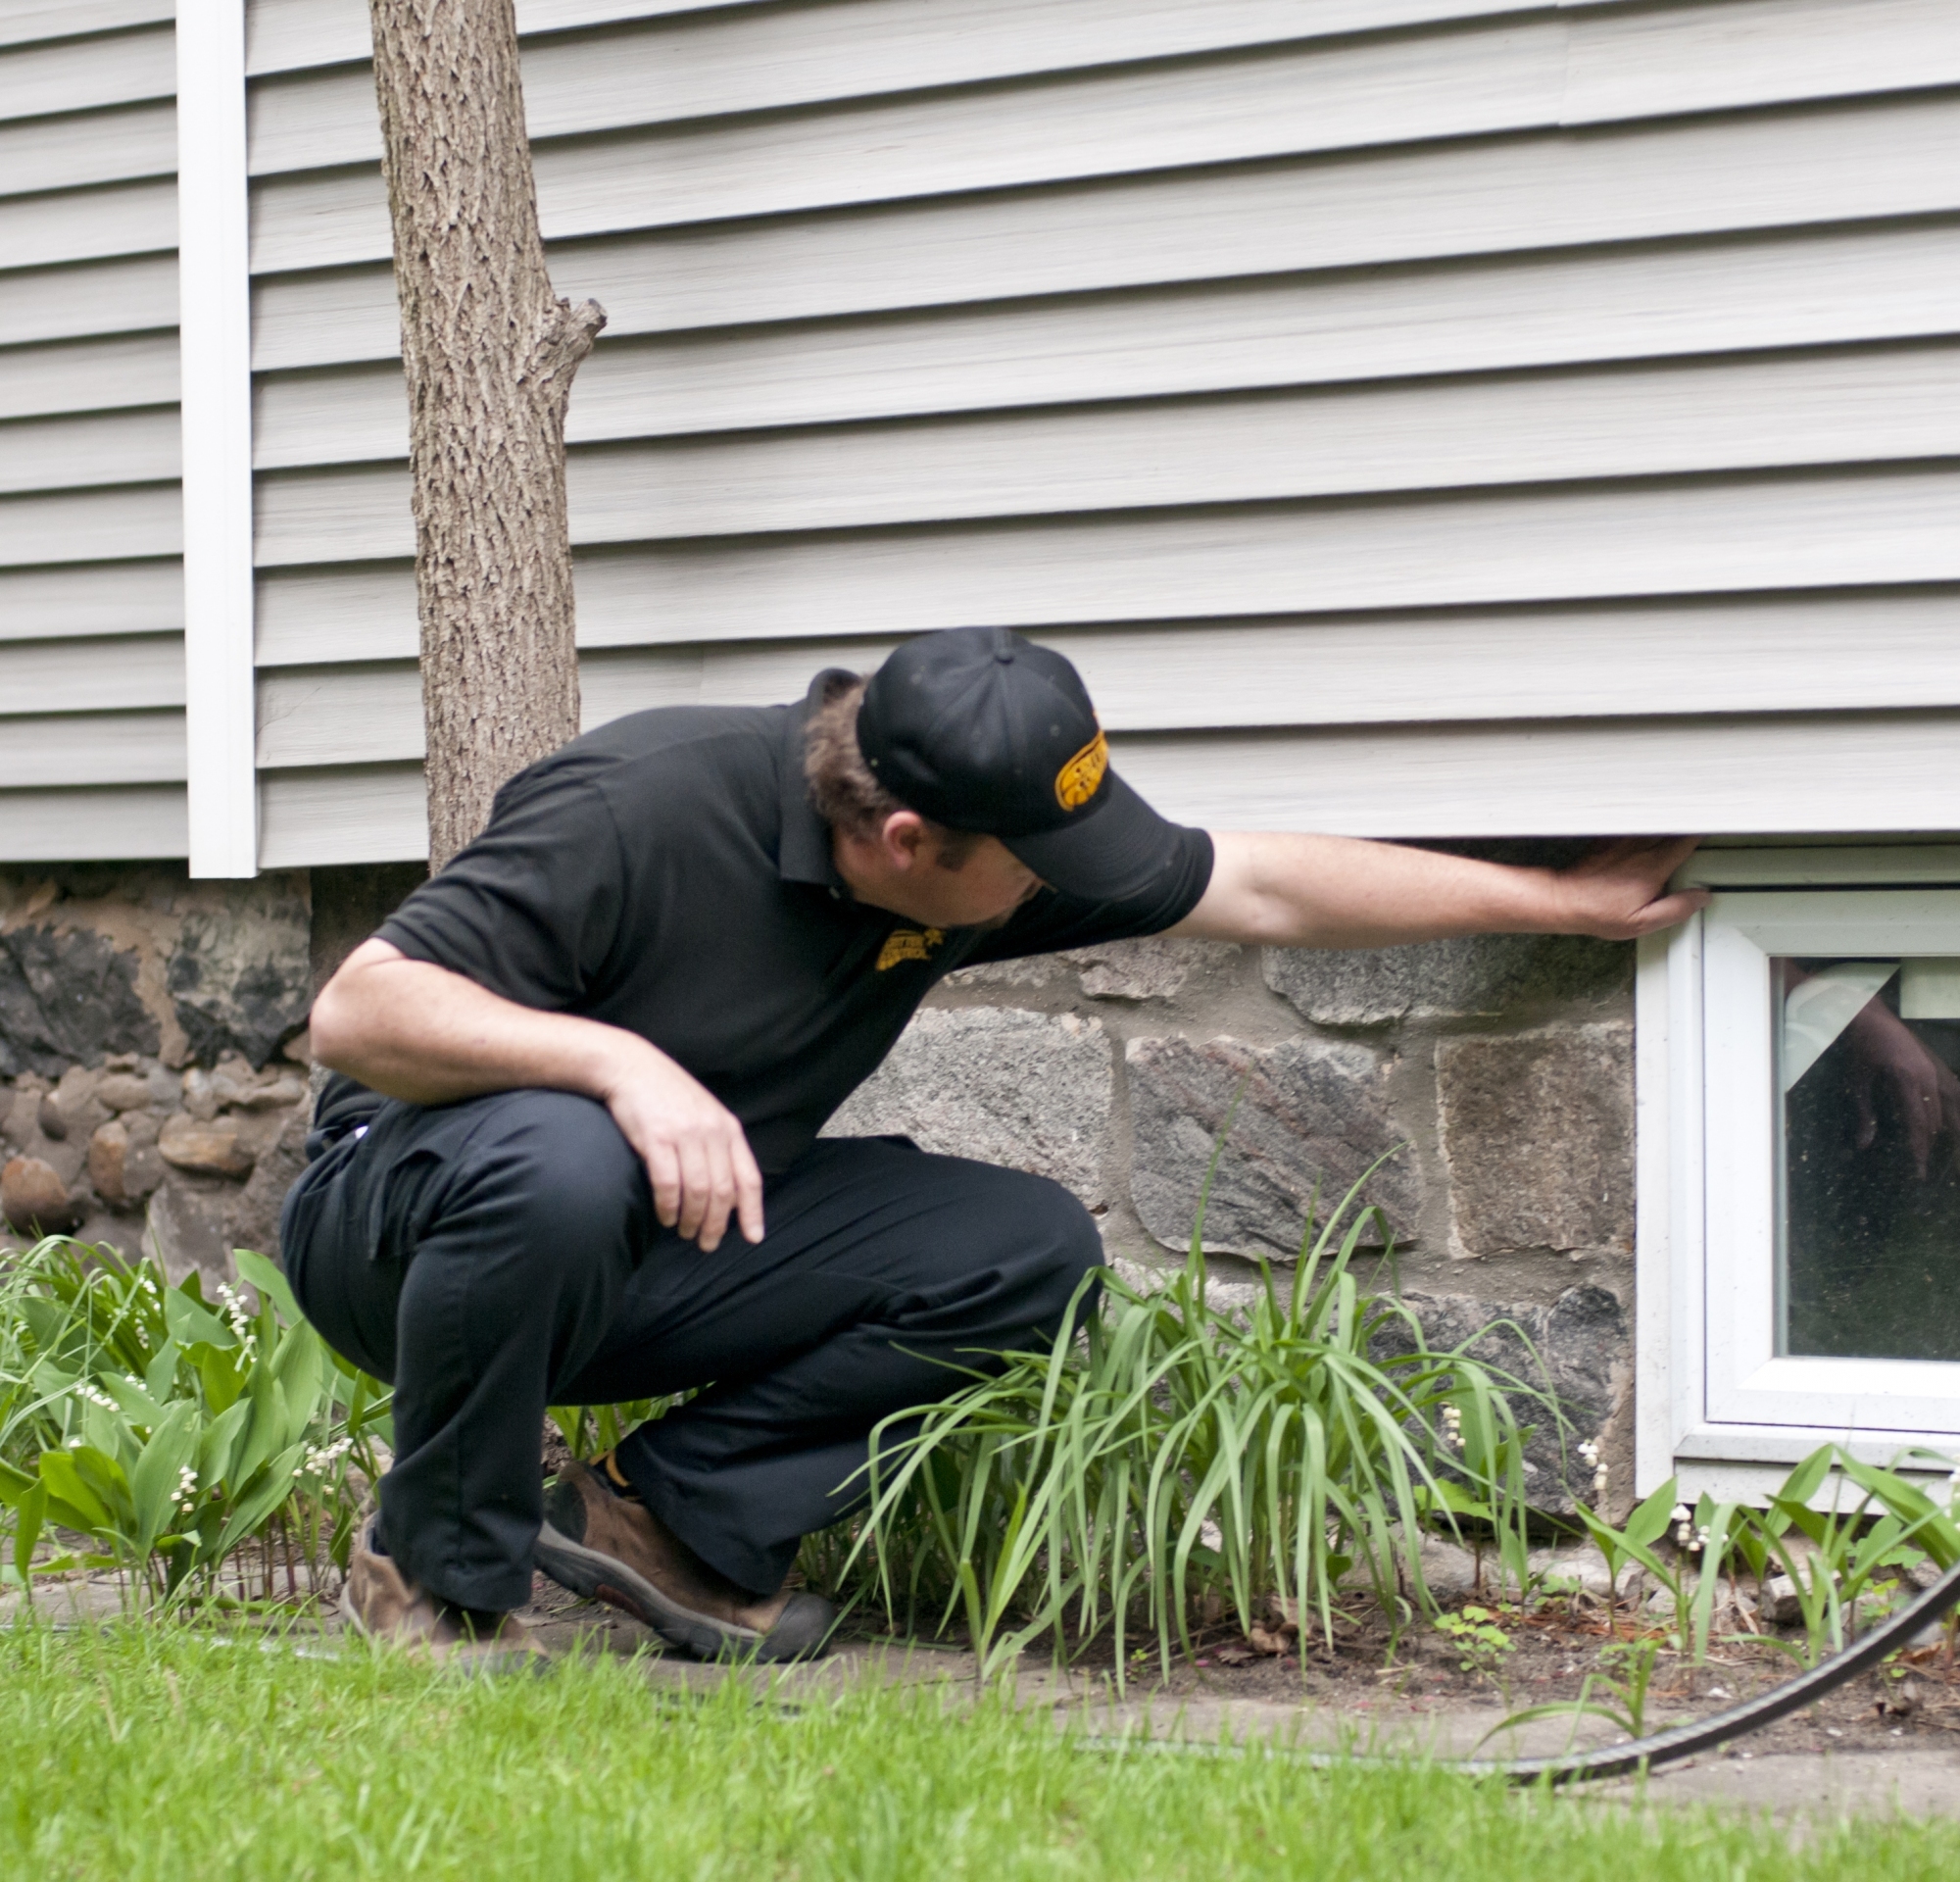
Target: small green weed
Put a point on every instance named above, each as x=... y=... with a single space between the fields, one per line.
x=1482 y=1643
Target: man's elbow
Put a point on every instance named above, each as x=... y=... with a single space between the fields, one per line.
x=334 y=1030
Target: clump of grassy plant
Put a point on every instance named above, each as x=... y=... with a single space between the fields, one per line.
x=1168 y=1449
x=172 y=1433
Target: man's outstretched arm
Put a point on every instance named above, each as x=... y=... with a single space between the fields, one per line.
x=419 y=1032
x=1340 y=892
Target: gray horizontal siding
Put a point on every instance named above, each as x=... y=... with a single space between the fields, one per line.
x=1773 y=170
x=84 y=224
x=87 y=147
x=26 y=22
x=90 y=297
x=1415 y=416
x=89 y=376
x=1873 y=282
x=1845 y=771
x=92 y=748
x=92 y=755
x=1771 y=534
x=1791 y=653
x=1838 y=407
x=89 y=599
x=85 y=74
x=131 y=823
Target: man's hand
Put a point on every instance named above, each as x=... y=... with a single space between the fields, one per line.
x=1616 y=893
x=693 y=1146
x=419 y=1032
x=1341 y=892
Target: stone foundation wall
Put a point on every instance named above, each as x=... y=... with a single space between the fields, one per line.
x=153 y=1062
x=1495 y=1076
x=153 y=1093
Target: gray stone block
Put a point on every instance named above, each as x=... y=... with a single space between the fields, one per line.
x=240 y=979
x=1577 y=1351
x=1028 y=1090
x=68 y=997
x=1537 y=1132
x=1312 y=1115
x=1487 y=973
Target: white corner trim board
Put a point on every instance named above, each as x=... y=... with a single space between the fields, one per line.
x=216 y=312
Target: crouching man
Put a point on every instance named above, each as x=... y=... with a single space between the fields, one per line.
x=612 y=1029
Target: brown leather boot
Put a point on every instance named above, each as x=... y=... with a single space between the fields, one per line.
x=379 y=1601
x=611 y=1547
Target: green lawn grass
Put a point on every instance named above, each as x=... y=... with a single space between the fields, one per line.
x=159 y=1751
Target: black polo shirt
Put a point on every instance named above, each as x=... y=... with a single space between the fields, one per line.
x=668 y=873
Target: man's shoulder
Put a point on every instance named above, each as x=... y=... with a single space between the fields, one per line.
x=670 y=748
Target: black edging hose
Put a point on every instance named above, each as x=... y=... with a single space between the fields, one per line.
x=1657 y=1748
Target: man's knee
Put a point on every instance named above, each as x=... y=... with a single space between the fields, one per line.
x=1055 y=1241
x=557 y=1164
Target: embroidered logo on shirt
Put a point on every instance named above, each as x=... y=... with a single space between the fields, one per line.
x=907 y=944
x=1082 y=776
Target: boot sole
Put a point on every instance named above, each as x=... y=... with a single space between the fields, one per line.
x=596 y=1576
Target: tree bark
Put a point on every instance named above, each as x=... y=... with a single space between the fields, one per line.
x=489 y=352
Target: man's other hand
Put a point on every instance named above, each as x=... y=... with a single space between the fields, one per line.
x=695 y=1149
x=1618 y=893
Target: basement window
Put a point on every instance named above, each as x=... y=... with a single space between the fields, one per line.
x=1799 y=1105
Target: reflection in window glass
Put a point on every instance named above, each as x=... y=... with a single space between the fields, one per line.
x=1869 y=1226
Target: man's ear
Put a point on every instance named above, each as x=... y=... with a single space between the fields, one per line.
x=902 y=839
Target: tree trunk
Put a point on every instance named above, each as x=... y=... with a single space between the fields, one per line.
x=489 y=352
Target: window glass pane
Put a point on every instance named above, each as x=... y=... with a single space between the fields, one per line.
x=1869 y=1216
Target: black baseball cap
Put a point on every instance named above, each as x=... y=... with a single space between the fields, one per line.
x=979 y=729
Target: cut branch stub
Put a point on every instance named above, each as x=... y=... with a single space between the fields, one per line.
x=489 y=353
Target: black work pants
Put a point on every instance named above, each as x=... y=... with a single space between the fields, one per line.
x=497 y=1256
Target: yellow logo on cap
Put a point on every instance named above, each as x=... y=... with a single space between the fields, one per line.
x=1082 y=776
x=907 y=944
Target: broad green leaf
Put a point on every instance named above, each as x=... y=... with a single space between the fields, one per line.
x=83 y=1509
x=153 y=1485
x=161 y=1376
x=192 y=1322
x=221 y=1371
x=271 y=1283
x=138 y=1406
x=1648 y=1523
x=30 y=1510
x=253 y=1509
x=218 y=1447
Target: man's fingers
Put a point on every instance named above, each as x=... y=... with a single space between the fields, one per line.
x=721 y=1197
x=1667 y=913
x=664 y=1169
x=695 y=1188
x=748 y=1189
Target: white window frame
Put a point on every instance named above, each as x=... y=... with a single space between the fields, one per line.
x=1716 y=1404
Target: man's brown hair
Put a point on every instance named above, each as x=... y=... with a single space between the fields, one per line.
x=843 y=787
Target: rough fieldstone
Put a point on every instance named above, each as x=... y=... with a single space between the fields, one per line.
x=185 y=1228
x=254 y=1222
x=124 y=1091
x=1480 y=975
x=1313 y=1116
x=48 y=1117
x=1155 y=968
x=1537 y=1132
x=1030 y=1090
x=123 y=1162
x=68 y=999
x=239 y=977
x=34 y=1198
x=23 y=1131
x=1577 y=1351
x=214 y=1148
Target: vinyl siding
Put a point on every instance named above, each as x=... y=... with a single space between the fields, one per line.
x=92 y=757
x=1415 y=418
